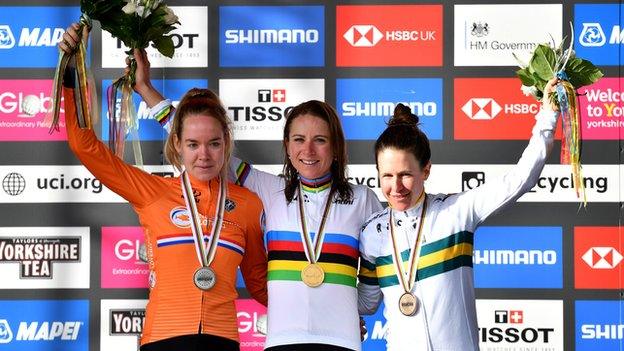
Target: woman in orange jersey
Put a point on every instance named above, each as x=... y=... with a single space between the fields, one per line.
x=199 y=229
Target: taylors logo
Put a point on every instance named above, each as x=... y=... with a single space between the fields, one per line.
x=7 y=40
x=518 y=257
x=277 y=36
x=481 y=108
x=6 y=335
x=259 y=106
x=389 y=35
x=520 y=324
x=487 y=35
x=365 y=104
x=36 y=254
x=602 y=257
x=597 y=258
x=369 y=35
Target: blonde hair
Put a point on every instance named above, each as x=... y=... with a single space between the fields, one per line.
x=199 y=102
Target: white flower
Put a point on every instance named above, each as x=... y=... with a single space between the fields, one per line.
x=155 y=4
x=143 y=12
x=529 y=91
x=170 y=16
x=130 y=8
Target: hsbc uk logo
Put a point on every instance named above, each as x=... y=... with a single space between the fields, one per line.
x=271 y=95
x=367 y=35
x=481 y=108
x=602 y=257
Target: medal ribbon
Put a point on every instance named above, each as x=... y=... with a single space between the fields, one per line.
x=313 y=250
x=414 y=254
x=205 y=258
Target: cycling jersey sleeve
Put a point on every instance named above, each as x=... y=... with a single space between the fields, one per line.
x=481 y=202
x=262 y=183
x=129 y=182
x=369 y=291
x=254 y=263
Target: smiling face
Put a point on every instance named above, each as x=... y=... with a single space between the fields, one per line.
x=201 y=146
x=309 y=146
x=401 y=176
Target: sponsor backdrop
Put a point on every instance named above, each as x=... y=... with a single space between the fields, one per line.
x=548 y=273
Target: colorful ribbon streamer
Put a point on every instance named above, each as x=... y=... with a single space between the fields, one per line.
x=571 y=138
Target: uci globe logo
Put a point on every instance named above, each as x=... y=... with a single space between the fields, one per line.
x=13 y=184
x=6 y=335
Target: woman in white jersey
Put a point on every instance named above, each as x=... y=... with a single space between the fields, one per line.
x=429 y=297
x=311 y=277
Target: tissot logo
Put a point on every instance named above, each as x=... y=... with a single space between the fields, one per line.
x=600 y=34
x=363 y=35
x=598 y=257
x=7 y=40
x=389 y=35
x=29 y=35
x=481 y=108
x=602 y=257
x=513 y=317
x=258 y=107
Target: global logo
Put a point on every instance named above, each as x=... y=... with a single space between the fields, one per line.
x=363 y=35
x=180 y=217
x=6 y=335
x=592 y=35
x=13 y=184
x=7 y=40
x=481 y=108
x=480 y=29
x=602 y=257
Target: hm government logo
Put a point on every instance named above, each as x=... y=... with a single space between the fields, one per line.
x=480 y=29
x=13 y=184
x=271 y=95
x=592 y=35
x=363 y=35
x=481 y=108
x=602 y=257
x=7 y=40
x=6 y=335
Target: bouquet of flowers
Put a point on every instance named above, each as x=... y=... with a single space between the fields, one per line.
x=137 y=23
x=546 y=63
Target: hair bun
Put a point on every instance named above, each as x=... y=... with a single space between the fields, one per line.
x=403 y=116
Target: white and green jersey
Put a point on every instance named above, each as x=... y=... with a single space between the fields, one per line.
x=446 y=319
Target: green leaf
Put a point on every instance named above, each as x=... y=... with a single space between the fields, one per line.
x=164 y=45
x=543 y=62
x=526 y=77
x=582 y=72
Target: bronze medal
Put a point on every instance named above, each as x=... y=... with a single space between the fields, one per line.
x=204 y=278
x=312 y=275
x=408 y=304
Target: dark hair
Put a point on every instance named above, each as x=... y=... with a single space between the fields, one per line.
x=324 y=111
x=199 y=102
x=403 y=133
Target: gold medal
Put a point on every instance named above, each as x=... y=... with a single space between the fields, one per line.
x=408 y=304
x=313 y=275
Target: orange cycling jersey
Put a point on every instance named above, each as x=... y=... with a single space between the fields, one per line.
x=176 y=306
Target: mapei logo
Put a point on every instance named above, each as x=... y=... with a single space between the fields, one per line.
x=363 y=35
x=6 y=335
x=602 y=257
x=600 y=33
x=592 y=35
x=7 y=40
x=481 y=108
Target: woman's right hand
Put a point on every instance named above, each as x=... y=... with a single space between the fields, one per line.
x=71 y=38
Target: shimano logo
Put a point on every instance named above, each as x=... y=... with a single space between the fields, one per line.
x=602 y=257
x=7 y=40
x=271 y=36
x=375 y=109
x=515 y=257
x=48 y=331
x=6 y=335
x=602 y=331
